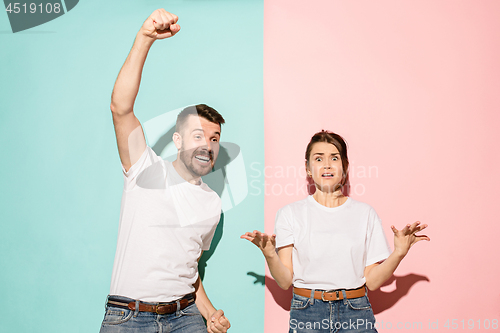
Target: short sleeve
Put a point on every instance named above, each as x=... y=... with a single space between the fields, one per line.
x=377 y=247
x=147 y=158
x=283 y=228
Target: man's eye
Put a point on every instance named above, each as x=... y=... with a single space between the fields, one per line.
x=335 y=158
x=197 y=137
x=318 y=159
x=215 y=140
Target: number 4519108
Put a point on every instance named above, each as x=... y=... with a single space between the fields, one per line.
x=33 y=8
x=471 y=324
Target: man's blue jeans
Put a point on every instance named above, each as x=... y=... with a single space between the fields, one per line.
x=308 y=315
x=119 y=320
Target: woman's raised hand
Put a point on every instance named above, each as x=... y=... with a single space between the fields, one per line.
x=406 y=237
x=266 y=243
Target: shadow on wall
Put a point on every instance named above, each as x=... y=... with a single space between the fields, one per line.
x=202 y=264
x=382 y=301
x=379 y=299
x=163 y=141
x=280 y=296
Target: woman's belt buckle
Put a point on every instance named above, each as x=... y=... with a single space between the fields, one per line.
x=337 y=295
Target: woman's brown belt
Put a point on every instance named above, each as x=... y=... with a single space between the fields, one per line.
x=330 y=295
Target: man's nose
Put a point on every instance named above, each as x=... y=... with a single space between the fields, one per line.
x=208 y=144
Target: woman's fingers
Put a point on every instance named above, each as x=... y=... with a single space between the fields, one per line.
x=258 y=238
x=247 y=237
x=424 y=237
x=414 y=227
x=409 y=229
x=421 y=227
x=421 y=237
x=417 y=227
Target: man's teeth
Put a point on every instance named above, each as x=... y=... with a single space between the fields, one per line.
x=202 y=158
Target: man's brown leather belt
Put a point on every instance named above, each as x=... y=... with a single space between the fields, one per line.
x=159 y=308
x=330 y=295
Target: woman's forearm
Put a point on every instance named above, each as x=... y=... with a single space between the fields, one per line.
x=377 y=275
x=281 y=273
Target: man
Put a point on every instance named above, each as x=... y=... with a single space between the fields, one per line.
x=168 y=215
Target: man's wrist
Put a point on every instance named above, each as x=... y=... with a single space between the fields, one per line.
x=142 y=40
x=210 y=313
x=206 y=309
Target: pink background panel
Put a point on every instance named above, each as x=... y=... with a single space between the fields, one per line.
x=414 y=87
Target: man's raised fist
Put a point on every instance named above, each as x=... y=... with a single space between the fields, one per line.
x=160 y=25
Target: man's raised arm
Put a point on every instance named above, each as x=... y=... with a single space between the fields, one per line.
x=129 y=136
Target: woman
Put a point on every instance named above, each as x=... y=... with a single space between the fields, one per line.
x=330 y=246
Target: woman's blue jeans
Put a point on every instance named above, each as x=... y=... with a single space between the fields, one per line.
x=308 y=315
x=118 y=320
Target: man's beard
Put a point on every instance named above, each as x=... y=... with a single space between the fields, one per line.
x=187 y=156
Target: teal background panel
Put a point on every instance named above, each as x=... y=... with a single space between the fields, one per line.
x=62 y=180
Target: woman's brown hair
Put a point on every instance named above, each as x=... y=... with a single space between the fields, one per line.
x=337 y=141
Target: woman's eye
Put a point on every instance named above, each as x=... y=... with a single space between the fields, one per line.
x=335 y=158
x=197 y=137
x=318 y=159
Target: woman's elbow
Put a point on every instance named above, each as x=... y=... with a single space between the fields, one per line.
x=285 y=285
x=372 y=285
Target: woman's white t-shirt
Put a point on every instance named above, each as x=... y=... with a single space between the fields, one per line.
x=331 y=246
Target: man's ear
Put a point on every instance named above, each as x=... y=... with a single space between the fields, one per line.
x=177 y=138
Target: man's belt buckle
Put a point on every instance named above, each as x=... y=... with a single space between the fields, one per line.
x=330 y=291
x=157 y=309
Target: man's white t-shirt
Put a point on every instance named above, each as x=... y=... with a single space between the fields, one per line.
x=165 y=223
x=331 y=246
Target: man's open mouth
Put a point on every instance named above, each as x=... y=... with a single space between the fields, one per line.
x=203 y=158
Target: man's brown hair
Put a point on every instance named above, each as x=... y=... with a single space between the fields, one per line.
x=201 y=110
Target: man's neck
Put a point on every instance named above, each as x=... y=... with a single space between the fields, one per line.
x=185 y=173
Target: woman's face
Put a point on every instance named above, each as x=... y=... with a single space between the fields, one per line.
x=325 y=166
